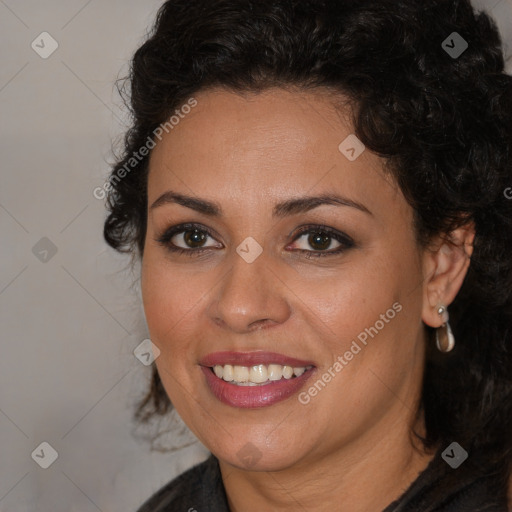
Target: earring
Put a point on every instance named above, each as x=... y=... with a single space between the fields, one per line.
x=445 y=341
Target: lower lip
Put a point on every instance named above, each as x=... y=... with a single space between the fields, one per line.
x=251 y=397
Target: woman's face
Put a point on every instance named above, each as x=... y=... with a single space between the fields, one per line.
x=343 y=307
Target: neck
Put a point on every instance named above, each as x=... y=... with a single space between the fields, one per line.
x=368 y=475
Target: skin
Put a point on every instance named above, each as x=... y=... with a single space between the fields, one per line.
x=351 y=444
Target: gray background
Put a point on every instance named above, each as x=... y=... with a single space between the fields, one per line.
x=69 y=325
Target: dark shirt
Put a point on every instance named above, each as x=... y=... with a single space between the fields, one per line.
x=200 y=489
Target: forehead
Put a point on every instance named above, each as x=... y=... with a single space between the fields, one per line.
x=258 y=145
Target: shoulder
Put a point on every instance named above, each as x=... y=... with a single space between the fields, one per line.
x=198 y=488
x=440 y=488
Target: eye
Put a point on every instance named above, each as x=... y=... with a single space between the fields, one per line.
x=191 y=236
x=320 y=239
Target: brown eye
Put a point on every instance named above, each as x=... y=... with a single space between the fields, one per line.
x=194 y=238
x=187 y=238
x=320 y=239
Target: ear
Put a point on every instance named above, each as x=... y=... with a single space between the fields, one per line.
x=445 y=265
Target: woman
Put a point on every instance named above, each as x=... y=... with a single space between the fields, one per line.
x=317 y=193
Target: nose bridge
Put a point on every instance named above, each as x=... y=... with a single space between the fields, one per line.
x=250 y=292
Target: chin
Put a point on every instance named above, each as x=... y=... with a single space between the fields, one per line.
x=251 y=458
x=258 y=452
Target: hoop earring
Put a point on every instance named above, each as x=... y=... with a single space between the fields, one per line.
x=445 y=341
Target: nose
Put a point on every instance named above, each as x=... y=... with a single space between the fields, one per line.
x=251 y=296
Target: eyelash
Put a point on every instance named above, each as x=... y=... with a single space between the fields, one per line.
x=345 y=240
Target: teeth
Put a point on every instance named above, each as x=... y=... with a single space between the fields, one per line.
x=287 y=372
x=299 y=371
x=227 y=372
x=241 y=373
x=258 y=374
x=275 y=371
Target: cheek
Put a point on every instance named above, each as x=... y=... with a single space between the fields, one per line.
x=171 y=299
x=370 y=316
x=344 y=304
x=175 y=299
x=168 y=298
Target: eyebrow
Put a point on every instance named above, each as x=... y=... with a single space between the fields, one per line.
x=286 y=208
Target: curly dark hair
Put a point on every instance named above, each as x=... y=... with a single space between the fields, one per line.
x=443 y=123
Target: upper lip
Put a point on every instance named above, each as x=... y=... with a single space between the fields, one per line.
x=251 y=359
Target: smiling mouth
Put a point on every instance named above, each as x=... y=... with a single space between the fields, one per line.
x=257 y=375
